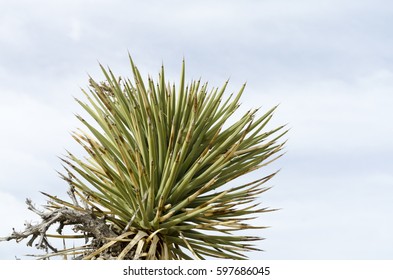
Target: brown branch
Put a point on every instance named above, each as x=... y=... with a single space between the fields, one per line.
x=84 y=221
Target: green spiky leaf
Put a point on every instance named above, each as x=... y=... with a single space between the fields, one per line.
x=159 y=162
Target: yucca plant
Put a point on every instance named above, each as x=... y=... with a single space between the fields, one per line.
x=155 y=182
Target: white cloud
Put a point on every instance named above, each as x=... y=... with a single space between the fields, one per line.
x=333 y=115
x=23 y=171
x=30 y=123
x=75 y=29
x=35 y=132
x=12 y=31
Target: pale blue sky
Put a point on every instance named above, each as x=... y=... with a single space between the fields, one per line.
x=329 y=64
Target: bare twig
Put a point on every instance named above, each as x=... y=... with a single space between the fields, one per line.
x=82 y=220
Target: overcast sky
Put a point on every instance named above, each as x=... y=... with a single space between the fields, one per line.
x=329 y=64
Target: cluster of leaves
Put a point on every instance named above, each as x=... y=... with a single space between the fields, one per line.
x=160 y=158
